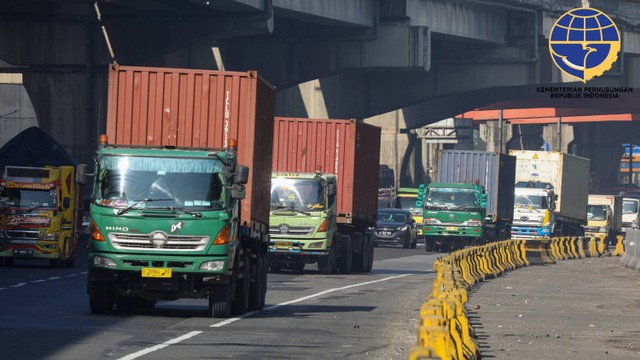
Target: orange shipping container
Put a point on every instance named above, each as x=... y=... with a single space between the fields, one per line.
x=346 y=148
x=200 y=109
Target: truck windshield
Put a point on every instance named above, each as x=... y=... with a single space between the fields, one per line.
x=451 y=198
x=629 y=207
x=533 y=201
x=307 y=194
x=27 y=198
x=408 y=203
x=196 y=184
x=596 y=212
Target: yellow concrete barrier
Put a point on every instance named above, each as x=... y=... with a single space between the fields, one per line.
x=619 y=251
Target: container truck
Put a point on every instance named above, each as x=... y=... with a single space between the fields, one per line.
x=550 y=195
x=630 y=213
x=180 y=202
x=604 y=217
x=472 y=201
x=323 y=194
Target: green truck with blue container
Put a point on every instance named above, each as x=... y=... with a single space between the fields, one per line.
x=472 y=201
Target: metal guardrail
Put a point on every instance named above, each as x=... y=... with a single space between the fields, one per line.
x=444 y=331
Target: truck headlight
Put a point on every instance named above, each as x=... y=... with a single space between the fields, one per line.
x=215 y=265
x=50 y=236
x=103 y=262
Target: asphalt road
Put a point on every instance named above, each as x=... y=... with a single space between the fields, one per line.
x=576 y=309
x=44 y=314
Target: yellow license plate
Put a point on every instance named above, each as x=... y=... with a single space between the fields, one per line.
x=156 y=272
x=452 y=228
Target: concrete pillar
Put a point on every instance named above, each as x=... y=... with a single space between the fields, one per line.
x=553 y=137
x=494 y=137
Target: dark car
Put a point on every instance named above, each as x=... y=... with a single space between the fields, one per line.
x=395 y=226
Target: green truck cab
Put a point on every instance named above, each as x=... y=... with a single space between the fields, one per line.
x=165 y=225
x=454 y=215
x=305 y=227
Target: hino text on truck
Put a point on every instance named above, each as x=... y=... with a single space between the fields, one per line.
x=323 y=194
x=179 y=205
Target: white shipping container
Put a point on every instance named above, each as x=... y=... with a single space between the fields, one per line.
x=569 y=175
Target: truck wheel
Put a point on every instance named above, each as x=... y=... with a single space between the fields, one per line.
x=346 y=254
x=101 y=297
x=370 y=250
x=258 y=289
x=220 y=300
x=327 y=263
x=240 y=303
x=360 y=258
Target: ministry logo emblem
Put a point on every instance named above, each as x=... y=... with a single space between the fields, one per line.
x=584 y=43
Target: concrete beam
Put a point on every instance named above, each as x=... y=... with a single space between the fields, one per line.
x=345 y=12
x=558 y=140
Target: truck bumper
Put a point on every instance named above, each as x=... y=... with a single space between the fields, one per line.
x=526 y=232
x=29 y=249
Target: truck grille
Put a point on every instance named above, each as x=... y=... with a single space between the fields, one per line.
x=23 y=234
x=153 y=242
x=284 y=229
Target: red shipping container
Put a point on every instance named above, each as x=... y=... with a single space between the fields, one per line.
x=346 y=148
x=200 y=109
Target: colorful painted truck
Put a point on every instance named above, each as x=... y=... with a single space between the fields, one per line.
x=323 y=194
x=41 y=192
x=40 y=213
x=550 y=195
x=180 y=208
x=472 y=202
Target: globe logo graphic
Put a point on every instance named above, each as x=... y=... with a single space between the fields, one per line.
x=584 y=43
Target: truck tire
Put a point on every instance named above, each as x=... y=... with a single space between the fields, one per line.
x=258 y=288
x=370 y=249
x=327 y=263
x=240 y=303
x=346 y=254
x=360 y=258
x=101 y=297
x=220 y=300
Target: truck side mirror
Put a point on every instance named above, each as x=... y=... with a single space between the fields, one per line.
x=242 y=175
x=483 y=200
x=238 y=192
x=81 y=174
x=66 y=202
x=331 y=189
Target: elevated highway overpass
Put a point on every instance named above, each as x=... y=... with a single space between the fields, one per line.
x=400 y=64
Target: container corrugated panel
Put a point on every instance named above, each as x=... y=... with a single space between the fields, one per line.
x=346 y=148
x=569 y=175
x=494 y=171
x=200 y=109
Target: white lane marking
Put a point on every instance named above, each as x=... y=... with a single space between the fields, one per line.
x=234 y=319
x=161 y=346
x=43 y=280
